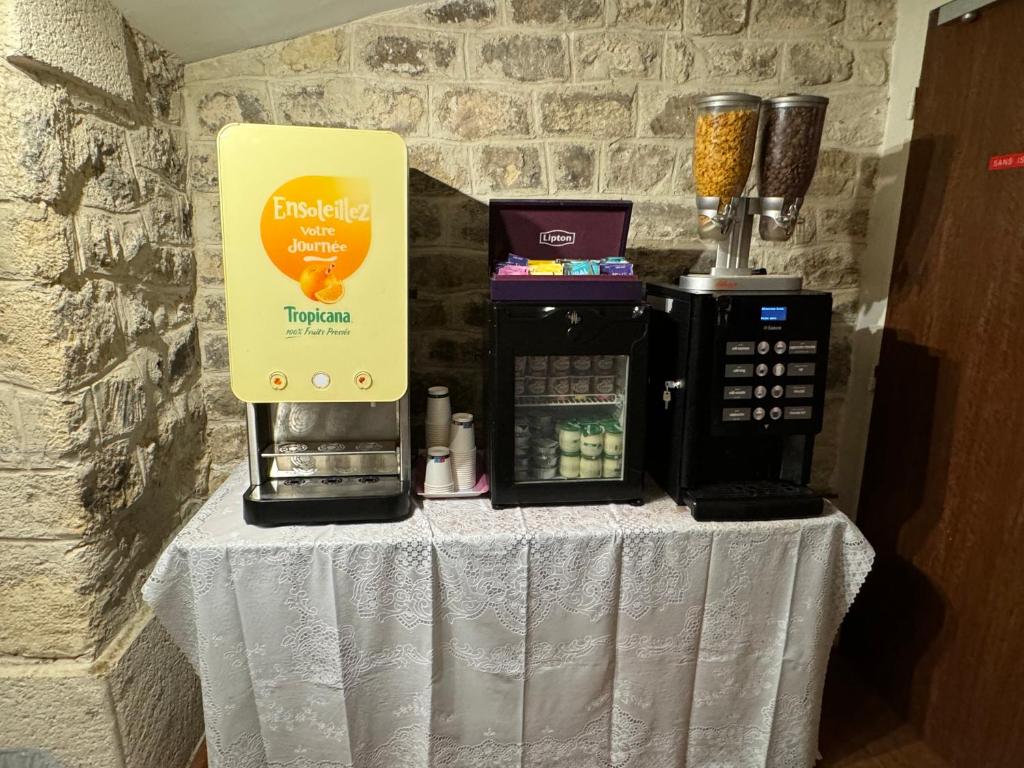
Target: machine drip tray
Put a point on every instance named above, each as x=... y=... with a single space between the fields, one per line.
x=328 y=499
x=753 y=500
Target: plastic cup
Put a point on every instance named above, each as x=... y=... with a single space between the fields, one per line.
x=439 y=477
x=462 y=438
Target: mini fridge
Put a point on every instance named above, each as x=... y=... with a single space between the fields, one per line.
x=567 y=362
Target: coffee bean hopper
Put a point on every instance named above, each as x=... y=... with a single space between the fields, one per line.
x=314 y=224
x=726 y=132
x=739 y=360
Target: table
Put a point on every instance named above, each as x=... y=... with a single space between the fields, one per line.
x=467 y=637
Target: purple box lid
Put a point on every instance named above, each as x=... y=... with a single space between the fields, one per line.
x=560 y=229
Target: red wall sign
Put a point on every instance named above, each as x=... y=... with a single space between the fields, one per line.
x=1005 y=162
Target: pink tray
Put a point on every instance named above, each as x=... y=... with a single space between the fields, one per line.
x=482 y=485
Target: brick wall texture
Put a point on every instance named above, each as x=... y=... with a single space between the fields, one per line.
x=540 y=98
x=102 y=419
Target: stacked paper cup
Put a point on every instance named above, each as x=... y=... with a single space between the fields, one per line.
x=439 y=417
x=439 y=477
x=463 y=447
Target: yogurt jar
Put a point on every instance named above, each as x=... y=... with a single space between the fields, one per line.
x=536 y=385
x=541 y=425
x=613 y=440
x=520 y=365
x=592 y=440
x=544 y=446
x=604 y=363
x=590 y=466
x=580 y=385
x=520 y=386
x=569 y=465
x=569 y=434
x=558 y=385
x=537 y=365
x=611 y=466
x=560 y=365
x=604 y=384
x=581 y=364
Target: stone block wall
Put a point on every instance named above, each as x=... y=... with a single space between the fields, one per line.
x=552 y=98
x=102 y=419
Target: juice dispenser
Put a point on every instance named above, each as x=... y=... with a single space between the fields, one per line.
x=314 y=224
x=737 y=384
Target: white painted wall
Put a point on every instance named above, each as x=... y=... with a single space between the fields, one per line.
x=876 y=268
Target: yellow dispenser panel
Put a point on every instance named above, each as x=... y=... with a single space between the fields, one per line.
x=315 y=263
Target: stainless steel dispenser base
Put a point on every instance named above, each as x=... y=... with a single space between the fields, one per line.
x=741 y=282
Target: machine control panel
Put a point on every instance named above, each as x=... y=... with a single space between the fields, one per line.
x=770 y=365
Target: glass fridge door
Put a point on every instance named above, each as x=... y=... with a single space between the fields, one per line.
x=570 y=417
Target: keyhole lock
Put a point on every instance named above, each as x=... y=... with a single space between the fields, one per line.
x=666 y=396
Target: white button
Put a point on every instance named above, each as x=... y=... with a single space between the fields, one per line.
x=759 y=414
x=763 y=347
x=321 y=380
x=780 y=347
x=761 y=370
x=775 y=413
x=760 y=391
x=779 y=369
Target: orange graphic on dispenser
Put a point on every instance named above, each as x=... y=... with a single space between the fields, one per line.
x=316 y=230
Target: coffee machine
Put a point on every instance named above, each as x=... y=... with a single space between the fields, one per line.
x=314 y=224
x=737 y=385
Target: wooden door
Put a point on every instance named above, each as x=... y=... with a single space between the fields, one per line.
x=940 y=624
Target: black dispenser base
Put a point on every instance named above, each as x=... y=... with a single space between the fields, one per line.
x=325 y=510
x=748 y=501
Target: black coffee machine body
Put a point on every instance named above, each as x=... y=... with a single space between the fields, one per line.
x=736 y=396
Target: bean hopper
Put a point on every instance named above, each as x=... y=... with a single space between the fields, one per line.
x=737 y=381
x=314 y=225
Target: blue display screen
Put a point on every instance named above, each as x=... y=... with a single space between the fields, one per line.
x=773 y=314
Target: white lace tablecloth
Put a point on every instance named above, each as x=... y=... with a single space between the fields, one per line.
x=466 y=637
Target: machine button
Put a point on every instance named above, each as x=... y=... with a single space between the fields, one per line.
x=762 y=369
x=763 y=347
x=780 y=347
x=777 y=391
x=797 y=391
x=363 y=380
x=737 y=393
x=760 y=391
x=739 y=347
x=759 y=414
x=278 y=380
x=800 y=369
x=735 y=414
x=779 y=369
x=738 y=371
x=803 y=347
x=798 y=411
x=775 y=413
x=321 y=380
